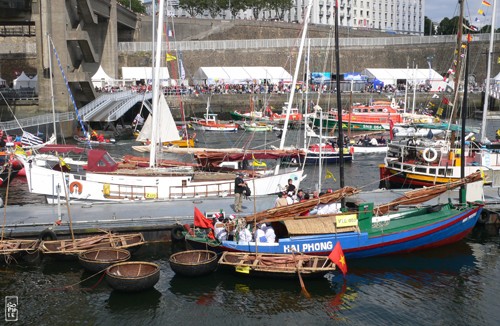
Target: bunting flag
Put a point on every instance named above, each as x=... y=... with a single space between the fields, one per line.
x=469 y=38
x=439 y=111
x=431 y=104
x=481 y=12
x=201 y=221
x=338 y=258
x=486 y=3
x=498 y=60
x=170 y=57
x=445 y=100
x=28 y=139
x=62 y=163
x=329 y=175
x=19 y=151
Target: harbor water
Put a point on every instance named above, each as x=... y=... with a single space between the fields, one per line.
x=453 y=285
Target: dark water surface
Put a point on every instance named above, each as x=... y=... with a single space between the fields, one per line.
x=454 y=285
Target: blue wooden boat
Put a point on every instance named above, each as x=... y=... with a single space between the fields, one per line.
x=361 y=234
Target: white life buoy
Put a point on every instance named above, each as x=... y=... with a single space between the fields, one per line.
x=430 y=157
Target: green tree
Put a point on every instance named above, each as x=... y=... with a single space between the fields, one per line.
x=134 y=5
x=429 y=26
x=450 y=26
x=280 y=7
x=257 y=7
x=192 y=6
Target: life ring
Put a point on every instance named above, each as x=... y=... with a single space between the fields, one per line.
x=78 y=186
x=47 y=235
x=433 y=154
x=177 y=233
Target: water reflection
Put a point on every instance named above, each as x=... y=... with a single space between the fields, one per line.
x=143 y=302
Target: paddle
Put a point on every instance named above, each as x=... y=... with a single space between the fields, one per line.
x=302 y=285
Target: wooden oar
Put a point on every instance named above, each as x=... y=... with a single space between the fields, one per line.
x=302 y=285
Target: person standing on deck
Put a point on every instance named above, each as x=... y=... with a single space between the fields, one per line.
x=239 y=186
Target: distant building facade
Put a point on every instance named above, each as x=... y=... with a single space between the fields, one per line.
x=395 y=16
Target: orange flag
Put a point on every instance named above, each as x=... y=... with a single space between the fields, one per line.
x=337 y=256
x=201 y=221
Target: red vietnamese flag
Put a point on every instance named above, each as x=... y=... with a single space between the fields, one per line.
x=201 y=221
x=337 y=256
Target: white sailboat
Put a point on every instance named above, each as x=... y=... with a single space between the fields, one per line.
x=105 y=180
x=167 y=130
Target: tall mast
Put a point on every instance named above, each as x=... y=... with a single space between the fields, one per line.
x=295 y=74
x=488 y=74
x=156 y=87
x=458 y=65
x=339 y=102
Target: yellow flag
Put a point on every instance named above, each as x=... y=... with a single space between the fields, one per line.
x=62 y=163
x=329 y=175
x=498 y=60
x=19 y=151
x=170 y=57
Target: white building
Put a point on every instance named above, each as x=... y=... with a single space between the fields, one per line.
x=395 y=16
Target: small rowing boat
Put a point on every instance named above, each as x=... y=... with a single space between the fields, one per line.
x=133 y=276
x=193 y=262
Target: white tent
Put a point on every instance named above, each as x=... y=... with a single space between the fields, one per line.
x=34 y=83
x=144 y=73
x=497 y=79
x=23 y=81
x=413 y=76
x=101 y=78
x=240 y=75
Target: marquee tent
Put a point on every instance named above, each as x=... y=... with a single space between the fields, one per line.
x=101 y=78
x=413 y=76
x=23 y=81
x=145 y=73
x=240 y=75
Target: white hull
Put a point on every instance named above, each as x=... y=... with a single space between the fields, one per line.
x=216 y=129
x=141 y=184
x=369 y=149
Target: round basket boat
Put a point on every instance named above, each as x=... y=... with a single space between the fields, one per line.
x=133 y=276
x=193 y=262
x=98 y=259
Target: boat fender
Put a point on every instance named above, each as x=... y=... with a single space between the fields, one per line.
x=430 y=154
x=351 y=150
x=177 y=233
x=188 y=229
x=484 y=217
x=47 y=235
x=77 y=185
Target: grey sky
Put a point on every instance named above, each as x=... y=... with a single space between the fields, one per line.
x=436 y=10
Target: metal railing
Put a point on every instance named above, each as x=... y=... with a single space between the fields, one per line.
x=286 y=43
x=36 y=121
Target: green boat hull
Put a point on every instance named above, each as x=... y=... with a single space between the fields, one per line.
x=330 y=124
